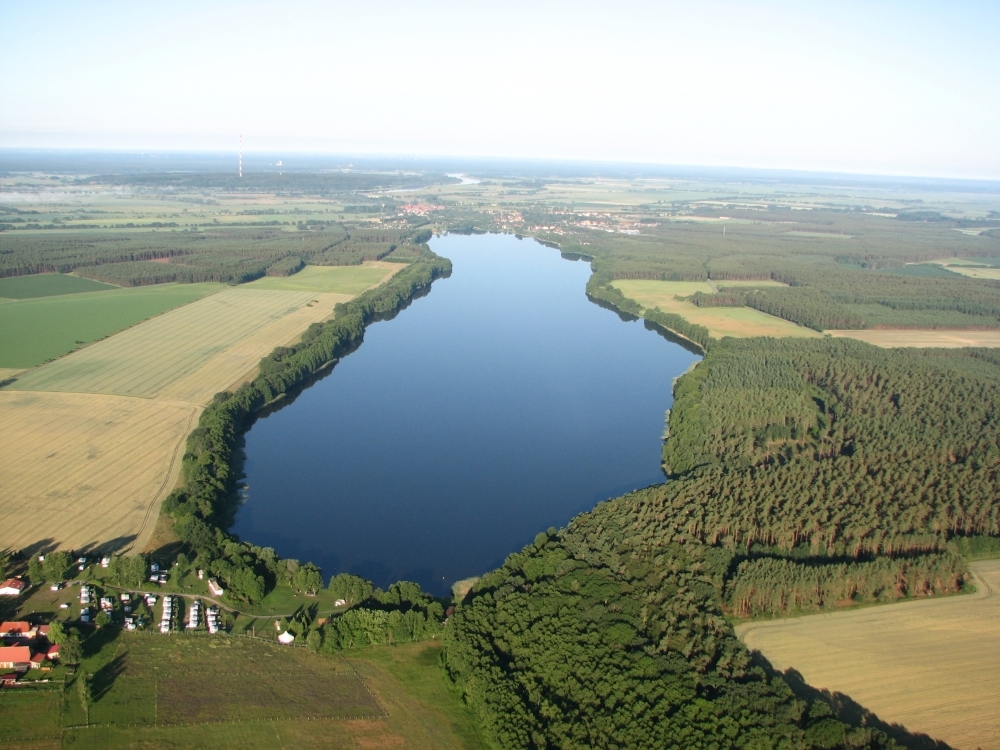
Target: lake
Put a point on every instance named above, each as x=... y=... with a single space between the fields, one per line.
x=500 y=404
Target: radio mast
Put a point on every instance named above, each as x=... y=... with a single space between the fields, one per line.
x=241 y=156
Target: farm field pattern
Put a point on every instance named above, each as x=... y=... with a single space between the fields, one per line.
x=929 y=665
x=93 y=441
x=90 y=467
x=720 y=321
x=890 y=338
x=144 y=360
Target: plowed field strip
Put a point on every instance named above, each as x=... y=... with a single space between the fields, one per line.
x=931 y=665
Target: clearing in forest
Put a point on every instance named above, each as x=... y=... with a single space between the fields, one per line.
x=146 y=359
x=352 y=280
x=81 y=470
x=929 y=665
x=895 y=338
x=35 y=330
x=740 y=322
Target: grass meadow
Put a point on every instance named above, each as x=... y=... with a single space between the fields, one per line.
x=929 y=665
x=224 y=692
x=48 y=285
x=740 y=322
x=352 y=280
x=33 y=331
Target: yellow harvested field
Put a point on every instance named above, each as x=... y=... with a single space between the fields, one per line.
x=940 y=339
x=740 y=322
x=81 y=470
x=931 y=665
x=976 y=273
x=725 y=283
x=230 y=367
x=146 y=359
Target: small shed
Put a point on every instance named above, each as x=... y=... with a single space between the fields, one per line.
x=286 y=638
x=12 y=587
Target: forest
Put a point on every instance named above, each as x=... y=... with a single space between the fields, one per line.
x=865 y=275
x=806 y=475
x=218 y=254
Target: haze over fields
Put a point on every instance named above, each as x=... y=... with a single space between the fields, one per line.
x=887 y=88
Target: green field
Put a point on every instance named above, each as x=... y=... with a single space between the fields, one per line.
x=338 y=279
x=47 y=285
x=33 y=331
x=145 y=359
x=223 y=692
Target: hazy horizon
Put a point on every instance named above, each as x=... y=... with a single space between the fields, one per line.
x=900 y=89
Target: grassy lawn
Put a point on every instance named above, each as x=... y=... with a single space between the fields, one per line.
x=223 y=692
x=47 y=285
x=351 y=280
x=33 y=331
x=740 y=322
x=29 y=713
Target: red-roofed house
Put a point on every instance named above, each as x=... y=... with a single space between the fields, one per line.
x=7 y=680
x=52 y=654
x=12 y=587
x=37 y=660
x=17 y=658
x=43 y=631
x=17 y=629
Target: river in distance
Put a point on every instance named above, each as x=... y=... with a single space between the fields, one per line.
x=500 y=404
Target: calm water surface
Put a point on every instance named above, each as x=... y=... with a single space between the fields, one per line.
x=500 y=404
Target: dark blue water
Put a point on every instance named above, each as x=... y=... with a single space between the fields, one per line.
x=500 y=404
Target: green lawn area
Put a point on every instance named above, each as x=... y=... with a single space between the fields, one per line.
x=33 y=331
x=221 y=692
x=338 y=279
x=47 y=285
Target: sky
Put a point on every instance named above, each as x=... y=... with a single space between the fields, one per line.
x=903 y=88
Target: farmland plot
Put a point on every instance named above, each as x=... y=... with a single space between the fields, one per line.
x=740 y=322
x=942 y=339
x=144 y=360
x=91 y=468
x=929 y=665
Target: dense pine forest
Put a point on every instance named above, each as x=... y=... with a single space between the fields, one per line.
x=230 y=255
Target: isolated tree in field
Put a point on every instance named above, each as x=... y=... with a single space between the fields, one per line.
x=36 y=571
x=314 y=640
x=57 y=634
x=70 y=651
x=129 y=572
x=86 y=694
x=56 y=564
x=308 y=578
